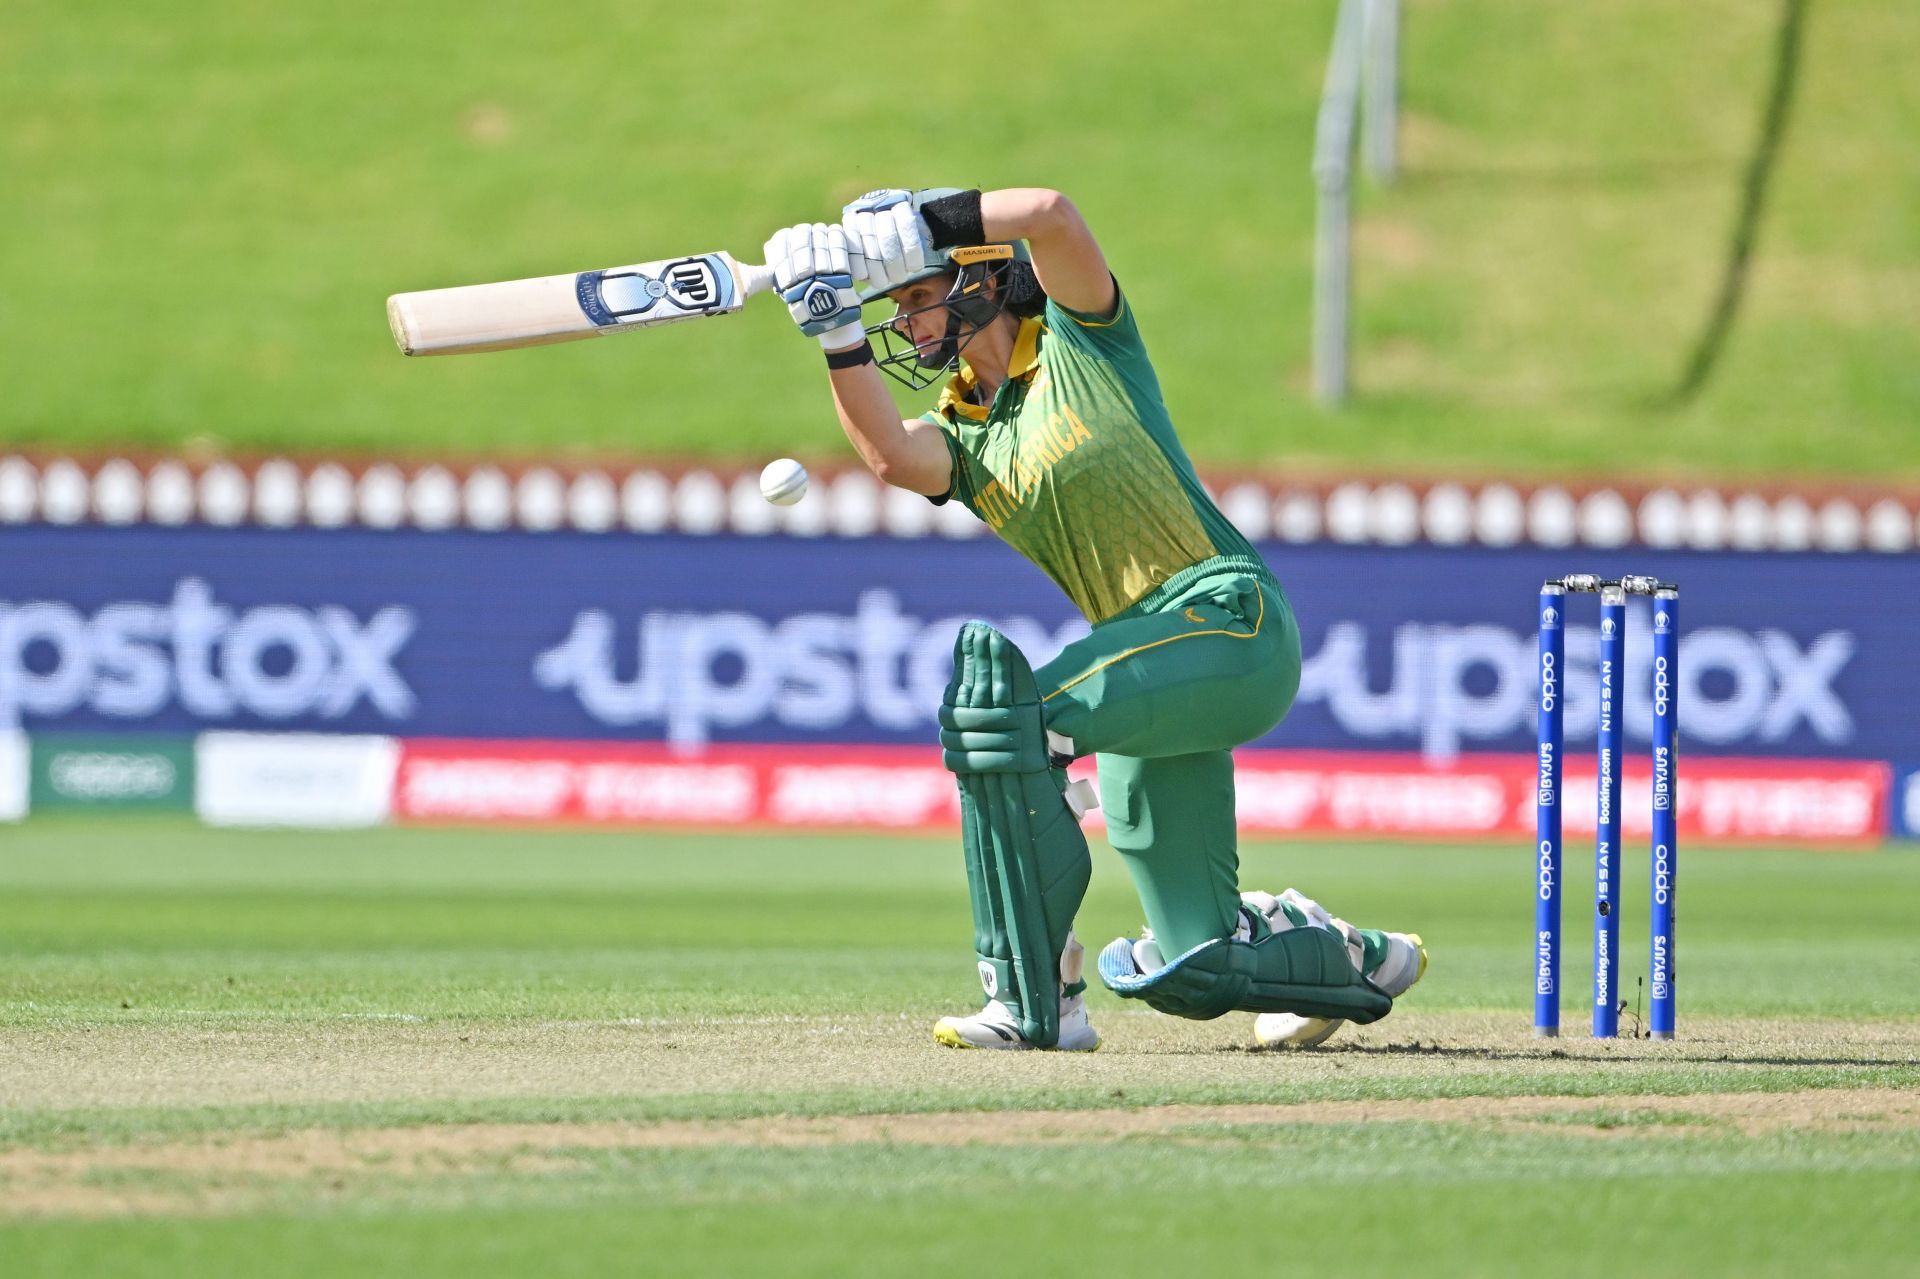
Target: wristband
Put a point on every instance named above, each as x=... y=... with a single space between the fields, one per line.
x=954 y=220
x=862 y=354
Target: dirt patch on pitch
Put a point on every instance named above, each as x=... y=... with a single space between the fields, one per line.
x=892 y=1062
x=233 y=1172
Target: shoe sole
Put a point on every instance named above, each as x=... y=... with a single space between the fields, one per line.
x=1318 y=1037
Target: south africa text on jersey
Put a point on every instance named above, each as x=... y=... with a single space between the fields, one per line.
x=1040 y=448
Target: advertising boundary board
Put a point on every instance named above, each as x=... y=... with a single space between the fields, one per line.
x=342 y=781
x=16 y=775
x=125 y=772
x=733 y=639
x=1829 y=803
x=309 y=780
x=1905 y=803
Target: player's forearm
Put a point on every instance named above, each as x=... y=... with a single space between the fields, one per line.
x=873 y=426
x=868 y=417
x=1033 y=214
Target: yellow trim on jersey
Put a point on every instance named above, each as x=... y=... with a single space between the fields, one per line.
x=1024 y=360
x=1026 y=348
x=951 y=403
x=1119 y=657
x=1119 y=310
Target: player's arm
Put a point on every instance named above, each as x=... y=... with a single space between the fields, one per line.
x=911 y=455
x=1066 y=257
x=812 y=273
x=899 y=230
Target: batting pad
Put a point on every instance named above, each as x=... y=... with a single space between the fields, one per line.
x=1027 y=860
x=1303 y=970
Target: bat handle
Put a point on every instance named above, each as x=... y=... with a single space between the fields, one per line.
x=754 y=280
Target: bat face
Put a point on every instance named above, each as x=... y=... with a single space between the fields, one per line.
x=657 y=292
x=563 y=308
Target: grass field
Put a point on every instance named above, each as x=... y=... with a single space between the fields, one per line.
x=495 y=1052
x=206 y=203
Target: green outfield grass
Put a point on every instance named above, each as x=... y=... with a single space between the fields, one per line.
x=206 y=203
x=422 y=1052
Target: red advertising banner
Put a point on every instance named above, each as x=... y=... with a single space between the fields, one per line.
x=1720 y=800
x=646 y=783
x=1280 y=792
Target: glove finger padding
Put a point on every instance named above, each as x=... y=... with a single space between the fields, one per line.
x=813 y=274
x=868 y=264
x=830 y=250
x=911 y=231
x=889 y=231
x=866 y=230
x=779 y=254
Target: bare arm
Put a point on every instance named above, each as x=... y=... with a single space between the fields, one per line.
x=909 y=455
x=1066 y=257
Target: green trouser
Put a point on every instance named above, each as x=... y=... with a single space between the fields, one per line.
x=1162 y=699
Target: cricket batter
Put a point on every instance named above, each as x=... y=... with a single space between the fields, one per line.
x=1052 y=430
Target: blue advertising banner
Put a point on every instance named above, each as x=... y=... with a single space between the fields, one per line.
x=695 y=639
x=1905 y=806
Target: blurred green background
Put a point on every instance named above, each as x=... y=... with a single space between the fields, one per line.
x=204 y=205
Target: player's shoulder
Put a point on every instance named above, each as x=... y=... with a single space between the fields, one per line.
x=1058 y=315
x=1109 y=335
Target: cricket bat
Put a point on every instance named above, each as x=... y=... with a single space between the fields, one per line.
x=563 y=308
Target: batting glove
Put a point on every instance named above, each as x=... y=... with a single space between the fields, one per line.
x=886 y=228
x=814 y=278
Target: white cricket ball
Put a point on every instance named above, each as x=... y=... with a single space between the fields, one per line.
x=783 y=481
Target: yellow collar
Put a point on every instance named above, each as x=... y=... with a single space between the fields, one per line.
x=1021 y=364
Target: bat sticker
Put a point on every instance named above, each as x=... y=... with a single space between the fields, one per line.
x=690 y=285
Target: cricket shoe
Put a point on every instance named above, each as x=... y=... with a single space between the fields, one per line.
x=994 y=1027
x=1404 y=964
x=1399 y=960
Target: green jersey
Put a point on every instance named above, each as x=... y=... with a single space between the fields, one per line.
x=1075 y=464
